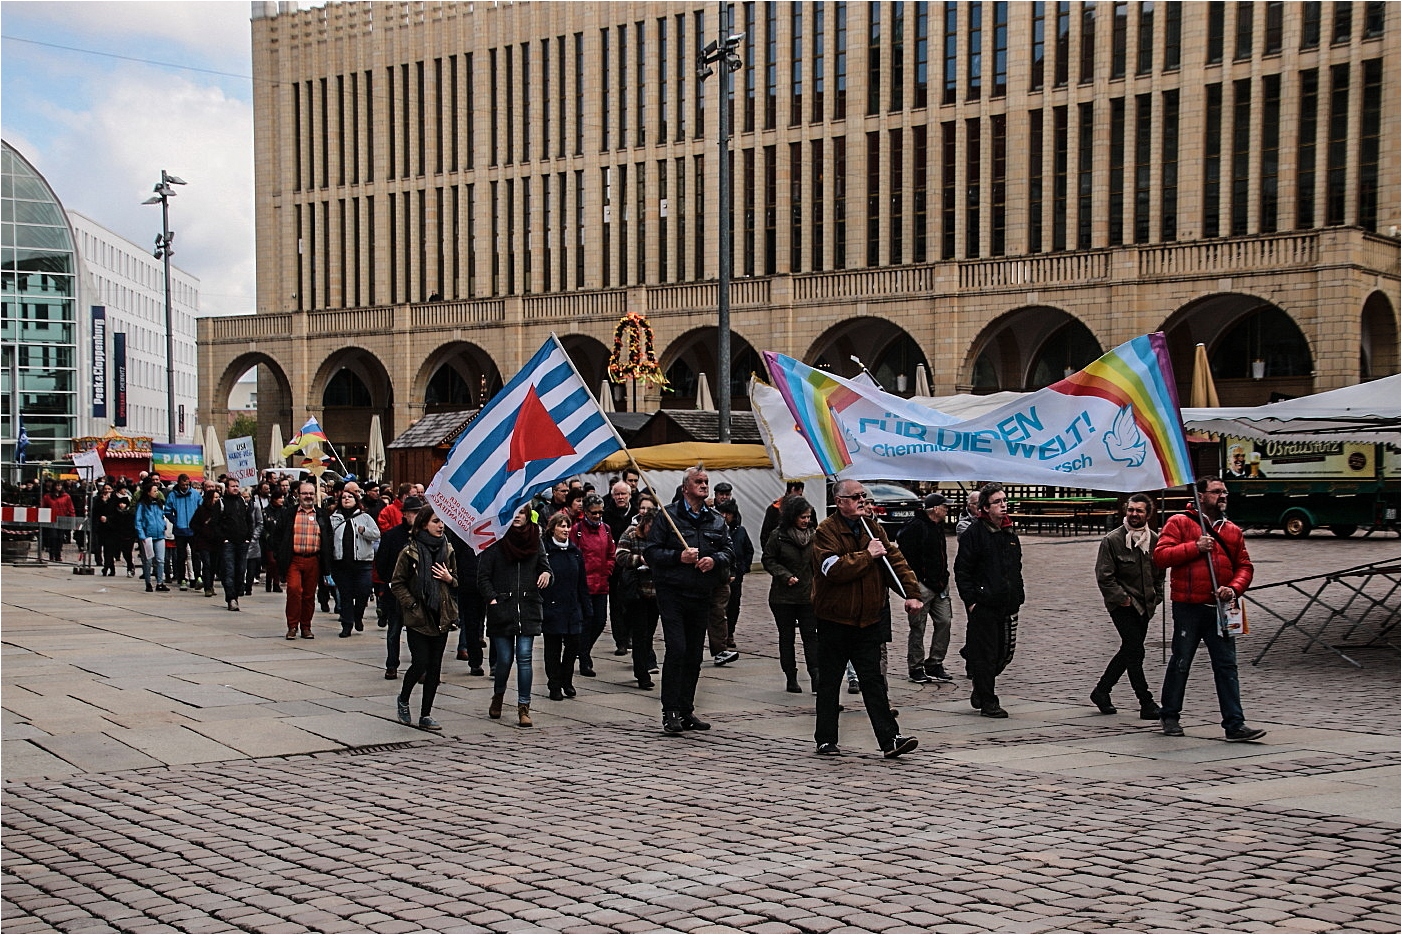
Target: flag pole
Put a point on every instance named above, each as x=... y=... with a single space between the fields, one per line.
x=1211 y=566
x=661 y=508
x=885 y=560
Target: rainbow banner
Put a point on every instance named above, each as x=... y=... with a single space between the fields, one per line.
x=1113 y=426
x=170 y=461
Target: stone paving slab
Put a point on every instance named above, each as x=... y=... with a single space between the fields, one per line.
x=1057 y=819
x=173 y=744
x=95 y=752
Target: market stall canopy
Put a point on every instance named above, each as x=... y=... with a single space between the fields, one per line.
x=1367 y=412
x=681 y=455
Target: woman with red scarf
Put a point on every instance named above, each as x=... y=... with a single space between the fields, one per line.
x=510 y=576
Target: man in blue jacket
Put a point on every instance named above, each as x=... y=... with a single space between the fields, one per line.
x=181 y=504
x=687 y=571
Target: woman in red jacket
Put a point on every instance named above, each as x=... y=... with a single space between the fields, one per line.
x=55 y=498
x=591 y=534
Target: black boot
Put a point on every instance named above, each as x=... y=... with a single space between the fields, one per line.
x=792 y=683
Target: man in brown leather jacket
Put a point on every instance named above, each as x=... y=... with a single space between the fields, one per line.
x=850 y=579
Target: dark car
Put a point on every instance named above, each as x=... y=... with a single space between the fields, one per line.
x=892 y=504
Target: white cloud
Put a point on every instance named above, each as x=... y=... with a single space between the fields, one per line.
x=103 y=131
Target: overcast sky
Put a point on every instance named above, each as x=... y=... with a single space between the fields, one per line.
x=101 y=127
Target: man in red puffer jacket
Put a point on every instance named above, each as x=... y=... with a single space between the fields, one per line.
x=591 y=534
x=1188 y=541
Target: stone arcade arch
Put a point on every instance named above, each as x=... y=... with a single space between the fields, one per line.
x=458 y=375
x=695 y=353
x=1030 y=348
x=351 y=386
x=274 y=400
x=591 y=359
x=1378 y=349
x=1240 y=330
x=888 y=351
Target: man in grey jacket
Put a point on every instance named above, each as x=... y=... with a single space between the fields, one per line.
x=1132 y=587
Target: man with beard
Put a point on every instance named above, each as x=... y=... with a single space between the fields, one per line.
x=1132 y=586
x=1189 y=541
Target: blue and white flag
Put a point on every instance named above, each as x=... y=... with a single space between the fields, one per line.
x=22 y=443
x=542 y=427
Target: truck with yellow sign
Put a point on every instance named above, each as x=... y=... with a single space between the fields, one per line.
x=1299 y=486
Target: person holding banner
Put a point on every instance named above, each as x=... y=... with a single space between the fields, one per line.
x=510 y=576
x=988 y=574
x=854 y=562
x=1198 y=590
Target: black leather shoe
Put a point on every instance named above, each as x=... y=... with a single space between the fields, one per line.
x=586 y=671
x=672 y=723
x=568 y=689
x=1102 y=701
x=692 y=722
x=993 y=710
x=556 y=694
x=828 y=749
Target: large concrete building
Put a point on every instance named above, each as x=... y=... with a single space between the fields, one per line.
x=996 y=191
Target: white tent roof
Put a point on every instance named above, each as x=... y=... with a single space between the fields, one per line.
x=1367 y=412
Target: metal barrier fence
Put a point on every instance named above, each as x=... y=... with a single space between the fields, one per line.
x=27 y=530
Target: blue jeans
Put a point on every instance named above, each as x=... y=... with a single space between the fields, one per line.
x=235 y=567
x=501 y=667
x=153 y=570
x=1193 y=623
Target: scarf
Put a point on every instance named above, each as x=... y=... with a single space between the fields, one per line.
x=347 y=534
x=1138 y=538
x=521 y=542
x=801 y=537
x=431 y=551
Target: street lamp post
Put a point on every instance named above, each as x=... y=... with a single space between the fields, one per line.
x=165 y=248
x=724 y=53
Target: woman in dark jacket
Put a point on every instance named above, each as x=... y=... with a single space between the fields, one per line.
x=788 y=557
x=565 y=600
x=425 y=586
x=204 y=534
x=639 y=596
x=510 y=576
x=123 y=530
x=103 y=543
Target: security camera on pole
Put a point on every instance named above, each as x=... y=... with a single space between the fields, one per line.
x=165 y=249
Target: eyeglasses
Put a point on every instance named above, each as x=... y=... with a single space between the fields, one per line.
x=856 y=496
x=596 y=512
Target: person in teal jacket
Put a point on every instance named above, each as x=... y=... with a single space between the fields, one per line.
x=151 y=533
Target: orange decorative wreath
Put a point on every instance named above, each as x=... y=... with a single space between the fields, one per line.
x=633 y=357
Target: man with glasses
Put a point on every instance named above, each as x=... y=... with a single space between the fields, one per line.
x=988 y=574
x=854 y=562
x=594 y=539
x=1188 y=542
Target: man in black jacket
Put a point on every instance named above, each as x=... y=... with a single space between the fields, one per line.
x=233 y=529
x=988 y=573
x=619 y=510
x=926 y=551
x=686 y=574
x=391 y=544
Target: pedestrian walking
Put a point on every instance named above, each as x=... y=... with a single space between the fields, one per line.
x=150 y=523
x=301 y=534
x=690 y=555
x=988 y=574
x=56 y=498
x=386 y=558
x=510 y=575
x=1132 y=586
x=788 y=557
x=1189 y=541
x=424 y=584
x=591 y=534
x=204 y=537
x=103 y=545
x=233 y=530
x=566 y=598
x=854 y=563
x=926 y=548
x=744 y=559
x=638 y=597
x=351 y=554
x=123 y=527
x=181 y=503
x=619 y=513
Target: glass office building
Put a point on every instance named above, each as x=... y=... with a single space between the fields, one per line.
x=38 y=293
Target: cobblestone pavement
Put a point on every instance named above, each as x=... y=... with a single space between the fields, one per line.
x=292 y=802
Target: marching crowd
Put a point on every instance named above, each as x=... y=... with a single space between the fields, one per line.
x=576 y=563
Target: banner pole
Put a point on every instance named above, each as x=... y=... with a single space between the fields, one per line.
x=1211 y=566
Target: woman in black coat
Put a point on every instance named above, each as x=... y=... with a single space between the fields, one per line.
x=510 y=576
x=565 y=600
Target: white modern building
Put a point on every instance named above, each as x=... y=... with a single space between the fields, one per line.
x=127 y=283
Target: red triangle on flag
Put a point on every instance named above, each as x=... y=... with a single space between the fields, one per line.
x=535 y=436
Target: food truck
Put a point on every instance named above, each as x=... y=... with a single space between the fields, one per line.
x=1297 y=486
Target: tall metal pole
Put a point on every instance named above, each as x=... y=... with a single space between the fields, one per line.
x=170 y=315
x=723 y=275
